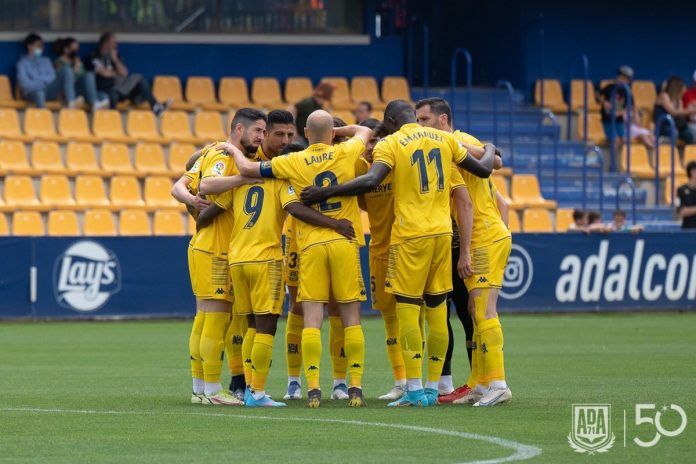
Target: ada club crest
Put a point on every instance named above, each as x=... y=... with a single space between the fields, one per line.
x=85 y=276
x=591 y=428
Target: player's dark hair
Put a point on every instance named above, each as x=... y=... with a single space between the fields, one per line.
x=366 y=103
x=400 y=111
x=279 y=117
x=578 y=214
x=438 y=106
x=620 y=213
x=105 y=37
x=690 y=168
x=293 y=147
x=31 y=39
x=338 y=122
x=372 y=123
x=380 y=131
x=246 y=117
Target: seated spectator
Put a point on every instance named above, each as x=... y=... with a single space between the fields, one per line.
x=38 y=80
x=689 y=102
x=363 y=111
x=624 y=76
x=619 y=223
x=579 y=221
x=595 y=224
x=85 y=85
x=686 y=198
x=303 y=108
x=114 y=79
x=638 y=132
x=669 y=101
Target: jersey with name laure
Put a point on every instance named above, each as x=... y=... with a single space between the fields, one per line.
x=323 y=165
x=488 y=224
x=421 y=158
x=215 y=237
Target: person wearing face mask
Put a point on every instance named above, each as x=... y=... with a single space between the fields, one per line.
x=85 y=84
x=37 y=79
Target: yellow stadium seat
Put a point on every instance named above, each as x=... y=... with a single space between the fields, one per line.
x=115 y=159
x=689 y=154
x=679 y=180
x=149 y=159
x=38 y=124
x=27 y=223
x=340 y=100
x=395 y=88
x=514 y=222
x=6 y=98
x=20 y=193
x=73 y=125
x=4 y=226
x=179 y=154
x=134 y=222
x=644 y=94
x=169 y=87
x=665 y=160
x=201 y=92
x=191 y=225
x=364 y=88
x=297 y=88
x=640 y=162
x=347 y=116
x=90 y=192
x=168 y=223
x=141 y=126
x=596 y=133
x=13 y=158
x=234 y=92
x=107 y=125
x=55 y=191
x=501 y=186
x=526 y=192
x=208 y=126
x=81 y=159
x=46 y=159
x=564 y=218
x=176 y=127
x=125 y=192
x=158 y=193
x=537 y=220
x=99 y=223
x=553 y=95
x=9 y=125
x=576 y=95
x=63 y=224
x=265 y=92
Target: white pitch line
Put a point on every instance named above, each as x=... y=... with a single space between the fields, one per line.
x=522 y=452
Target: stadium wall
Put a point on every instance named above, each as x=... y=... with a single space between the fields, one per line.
x=129 y=277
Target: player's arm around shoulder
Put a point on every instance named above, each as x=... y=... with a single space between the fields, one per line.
x=217 y=185
x=482 y=167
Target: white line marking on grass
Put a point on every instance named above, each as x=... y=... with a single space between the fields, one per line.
x=521 y=452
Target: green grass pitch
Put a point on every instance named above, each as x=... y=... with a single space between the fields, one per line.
x=119 y=392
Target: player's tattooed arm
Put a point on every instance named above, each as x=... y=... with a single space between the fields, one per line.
x=217 y=185
x=361 y=184
x=480 y=167
x=315 y=218
x=181 y=193
x=206 y=216
x=465 y=224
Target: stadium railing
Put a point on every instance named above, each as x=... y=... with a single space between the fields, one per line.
x=600 y=160
x=627 y=181
x=585 y=77
x=662 y=120
x=554 y=138
x=453 y=82
x=511 y=97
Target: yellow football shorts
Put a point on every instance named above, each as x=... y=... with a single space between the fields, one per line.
x=488 y=263
x=379 y=262
x=331 y=268
x=209 y=276
x=258 y=287
x=292 y=261
x=420 y=266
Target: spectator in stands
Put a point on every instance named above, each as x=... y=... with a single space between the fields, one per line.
x=669 y=101
x=619 y=223
x=595 y=224
x=686 y=198
x=114 y=79
x=640 y=133
x=689 y=102
x=68 y=61
x=579 y=221
x=624 y=76
x=38 y=80
x=363 y=112
x=303 y=108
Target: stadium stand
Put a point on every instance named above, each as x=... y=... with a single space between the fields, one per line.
x=46 y=158
x=396 y=88
x=73 y=125
x=125 y=192
x=63 y=224
x=208 y=127
x=80 y=158
x=13 y=158
x=553 y=95
x=341 y=95
x=107 y=125
x=7 y=100
x=55 y=191
x=141 y=126
x=169 y=87
x=564 y=218
x=265 y=93
x=537 y=220
x=297 y=88
x=9 y=125
x=200 y=91
x=168 y=223
x=27 y=223
x=134 y=222
x=364 y=88
x=577 y=94
x=234 y=92
x=90 y=192
x=175 y=127
x=99 y=223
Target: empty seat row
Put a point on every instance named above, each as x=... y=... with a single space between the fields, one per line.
x=644 y=166
x=96 y=223
x=644 y=94
x=525 y=191
x=81 y=158
x=90 y=192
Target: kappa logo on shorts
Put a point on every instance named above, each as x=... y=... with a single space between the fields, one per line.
x=482 y=280
x=312 y=368
x=518 y=273
x=435 y=359
x=417 y=356
x=219 y=291
x=356 y=366
x=387 y=284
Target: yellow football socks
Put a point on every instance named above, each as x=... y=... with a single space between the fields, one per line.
x=336 y=344
x=233 y=345
x=411 y=339
x=396 y=357
x=438 y=339
x=473 y=379
x=212 y=344
x=293 y=344
x=490 y=345
x=195 y=346
x=311 y=356
x=355 y=353
x=261 y=353
x=247 y=345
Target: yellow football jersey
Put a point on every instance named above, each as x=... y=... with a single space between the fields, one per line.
x=215 y=238
x=323 y=165
x=379 y=204
x=488 y=225
x=194 y=175
x=421 y=160
x=258 y=221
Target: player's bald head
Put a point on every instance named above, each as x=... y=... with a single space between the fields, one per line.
x=398 y=113
x=319 y=127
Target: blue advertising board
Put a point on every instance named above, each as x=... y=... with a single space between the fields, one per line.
x=49 y=277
